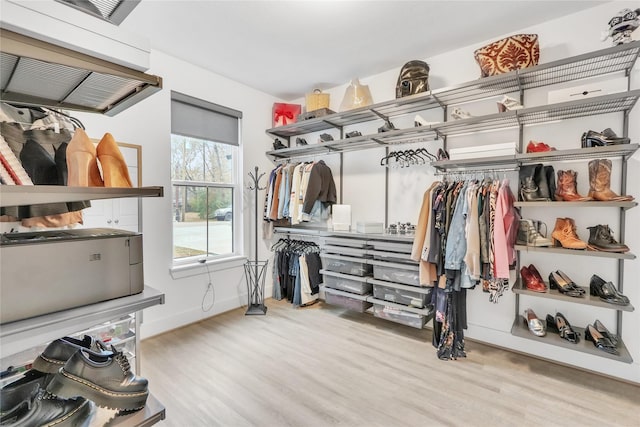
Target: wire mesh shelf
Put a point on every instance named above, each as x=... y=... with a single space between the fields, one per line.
x=622 y=150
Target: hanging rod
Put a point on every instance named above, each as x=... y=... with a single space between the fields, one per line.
x=475 y=171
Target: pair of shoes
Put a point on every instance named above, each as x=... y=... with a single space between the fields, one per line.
x=458 y=113
x=538 y=147
x=601 y=139
x=82 y=162
x=325 y=137
x=537 y=183
x=535 y=325
x=600 y=182
x=561 y=325
x=567 y=190
x=278 y=145
x=529 y=234
x=442 y=154
x=388 y=126
x=105 y=378
x=353 y=134
x=532 y=279
x=606 y=291
x=507 y=104
x=38 y=407
x=564 y=234
x=56 y=354
x=601 y=239
x=301 y=141
x=601 y=337
x=420 y=121
x=560 y=281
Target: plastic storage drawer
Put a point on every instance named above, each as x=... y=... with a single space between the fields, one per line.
x=395 y=272
x=399 y=316
x=343 y=241
x=344 y=282
x=346 y=265
x=392 y=257
x=351 y=303
x=400 y=296
x=399 y=247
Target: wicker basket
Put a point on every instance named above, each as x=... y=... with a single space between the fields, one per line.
x=317 y=100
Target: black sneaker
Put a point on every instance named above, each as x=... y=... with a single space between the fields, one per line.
x=59 y=351
x=107 y=380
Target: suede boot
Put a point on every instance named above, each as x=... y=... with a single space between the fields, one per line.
x=565 y=234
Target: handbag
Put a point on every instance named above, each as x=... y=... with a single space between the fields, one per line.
x=508 y=54
x=413 y=79
x=317 y=100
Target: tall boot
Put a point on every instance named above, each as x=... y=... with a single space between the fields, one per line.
x=566 y=189
x=565 y=234
x=600 y=182
x=551 y=180
x=541 y=182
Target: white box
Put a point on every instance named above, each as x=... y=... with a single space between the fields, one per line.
x=370 y=227
x=505 y=149
x=341 y=217
x=576 y=93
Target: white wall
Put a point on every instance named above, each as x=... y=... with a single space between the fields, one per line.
x=564 y=37
x=149 y=125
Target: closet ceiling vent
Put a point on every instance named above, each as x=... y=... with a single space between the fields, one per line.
x=114 y=11
x=34 y=72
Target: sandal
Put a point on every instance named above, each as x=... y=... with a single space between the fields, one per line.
x=535 y=325
x=508 y=104
x=458 y=113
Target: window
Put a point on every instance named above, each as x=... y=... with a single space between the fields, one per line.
x=205 y=179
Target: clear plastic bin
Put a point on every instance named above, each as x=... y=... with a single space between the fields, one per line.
x=400 y=296
x=399 y=316
x=346 y=283
x=395 y=272
x=346 y=265
x=347 y=302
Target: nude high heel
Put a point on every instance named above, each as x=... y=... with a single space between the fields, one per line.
x=82 y=166
x=114 y=168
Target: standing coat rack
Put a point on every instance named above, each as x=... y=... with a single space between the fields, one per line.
x=255 y=271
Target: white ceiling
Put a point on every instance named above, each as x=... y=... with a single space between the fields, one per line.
x=286 y=48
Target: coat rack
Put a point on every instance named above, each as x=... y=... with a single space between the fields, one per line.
x=255 y=271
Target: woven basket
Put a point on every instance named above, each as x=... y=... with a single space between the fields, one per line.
x=317 y=100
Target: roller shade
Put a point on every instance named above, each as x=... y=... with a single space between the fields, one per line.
x=196 y=118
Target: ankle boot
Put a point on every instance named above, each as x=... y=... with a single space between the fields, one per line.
x=114 y=167
x=600 y=182
x=529 y=235
x=564 y=234
x=529 y=189
x=566 y=189
x=601 y=238
x=82 y=166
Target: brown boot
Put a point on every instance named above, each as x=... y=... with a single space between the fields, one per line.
x=600 y=182
x=565 y=234
x=566 y=187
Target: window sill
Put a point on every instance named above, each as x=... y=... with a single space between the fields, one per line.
x=196 y=268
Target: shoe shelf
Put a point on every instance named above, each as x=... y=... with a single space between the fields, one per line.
x=44 y=74
x=622 y=150
x=22 y=334
x=152 y=413
x=520 y=288
x=520 y=329
x=588 y=204
x=579 y=252
x=604 y=61
x=18 y=195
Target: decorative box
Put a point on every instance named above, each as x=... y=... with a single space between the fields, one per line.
x=370 y=227
x=285 y=114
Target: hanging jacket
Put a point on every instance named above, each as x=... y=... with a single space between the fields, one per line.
x=320 y=187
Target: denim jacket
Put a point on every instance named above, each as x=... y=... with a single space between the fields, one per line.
x=456 y=241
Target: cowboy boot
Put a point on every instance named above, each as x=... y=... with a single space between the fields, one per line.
x=600 y=182
x=601 y=238
x=565 y=234
x=566 y=188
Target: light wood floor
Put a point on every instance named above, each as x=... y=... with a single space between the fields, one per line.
x=322 y=366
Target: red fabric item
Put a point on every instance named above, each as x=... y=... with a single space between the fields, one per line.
x=285 y=114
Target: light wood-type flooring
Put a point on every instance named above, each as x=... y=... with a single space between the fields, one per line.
x=324 y=366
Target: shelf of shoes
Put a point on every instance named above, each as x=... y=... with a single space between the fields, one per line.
x=579 y=252
x=520 y=329
x=616 y=102
x=588 y=204
x=22 y=334
x=604 y=61
x=18 y=195
x=520 y=288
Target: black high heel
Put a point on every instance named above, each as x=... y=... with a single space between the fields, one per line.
x=565 y=330
x=605 y=332
x=571 y=282
x=557 y=282
x=604 y=344
x=606 y=291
